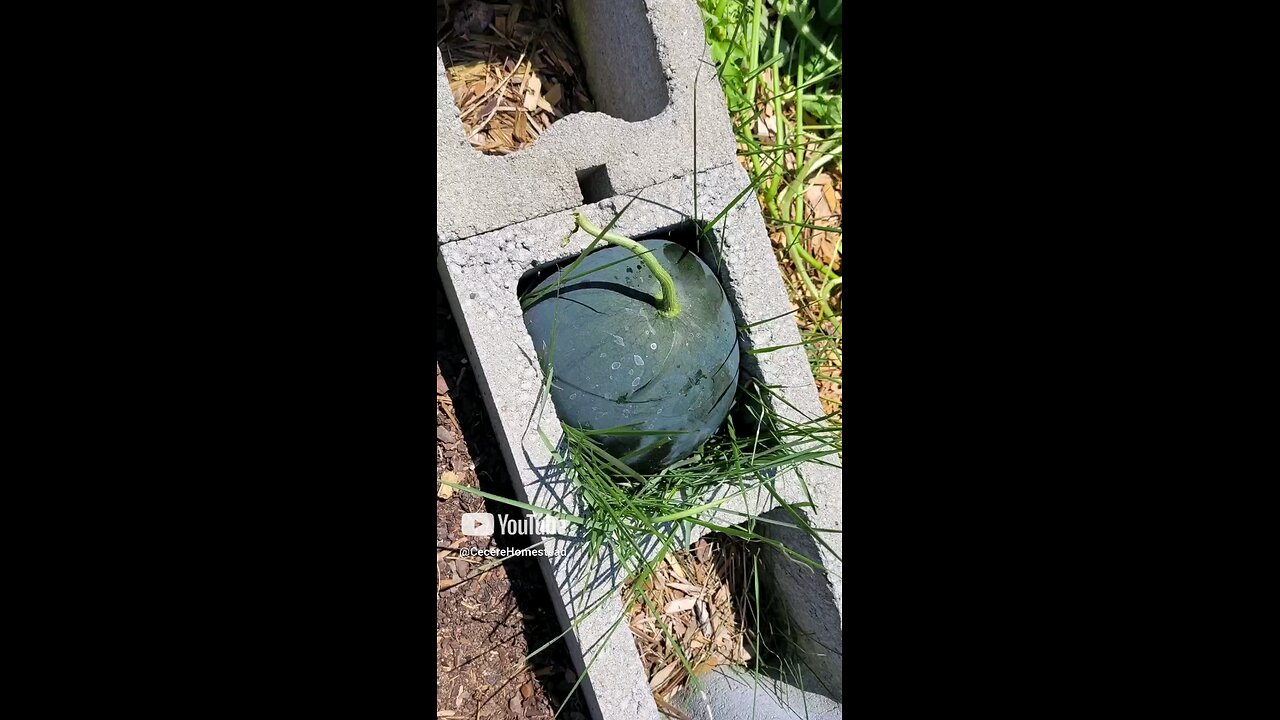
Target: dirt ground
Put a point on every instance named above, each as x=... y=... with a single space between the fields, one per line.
x=487 y=618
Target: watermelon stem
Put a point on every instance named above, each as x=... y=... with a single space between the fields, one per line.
x=668 y=306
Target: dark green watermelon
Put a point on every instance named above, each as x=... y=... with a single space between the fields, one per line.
x=618 y=362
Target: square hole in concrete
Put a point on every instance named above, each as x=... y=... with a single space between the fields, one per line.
x=720 y=600
x=702 y=595
x=595 y=184
x=516 y=68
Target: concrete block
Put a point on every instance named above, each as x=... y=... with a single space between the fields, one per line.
x=481 y=274
x=642 y=60
x=731 y=692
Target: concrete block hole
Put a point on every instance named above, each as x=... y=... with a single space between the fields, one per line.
x=745 y=413
x=532 y=63
x=595 y=184
x=706 y=600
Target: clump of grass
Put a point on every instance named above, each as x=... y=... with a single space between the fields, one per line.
x=646 y=521
x=780 y=65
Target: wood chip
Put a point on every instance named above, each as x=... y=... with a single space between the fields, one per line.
x=445 y=492
x=453 y=545
x=536 y=128
x=522 y=127
x=663 y=675
x=676 y=570
x=554 y=93
x=681 y=605
x=706 y=665
x=722 y=637
x=670 y=709
x=703 y=551
x=703 y=616
x=686 y=588
x=676 y=627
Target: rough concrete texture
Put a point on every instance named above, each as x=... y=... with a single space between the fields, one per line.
x=729 y=693
x=481 y=276
x=814 y=628
x=642 y=58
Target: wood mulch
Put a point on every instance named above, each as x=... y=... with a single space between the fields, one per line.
x=488 y=616
x=701 y=595
x=514 y=69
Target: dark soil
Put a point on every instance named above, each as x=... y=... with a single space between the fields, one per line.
x=487 y=618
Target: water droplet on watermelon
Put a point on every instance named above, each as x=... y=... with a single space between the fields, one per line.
x=615 y=366
x=639 y=360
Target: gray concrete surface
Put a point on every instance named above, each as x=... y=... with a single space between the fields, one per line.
x=730 y=693
x=481 y=274
x=642 y=58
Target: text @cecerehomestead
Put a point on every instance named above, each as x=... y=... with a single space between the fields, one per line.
x=509 y=552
